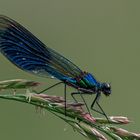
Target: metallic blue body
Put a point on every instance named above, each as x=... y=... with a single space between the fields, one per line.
x=29 y=54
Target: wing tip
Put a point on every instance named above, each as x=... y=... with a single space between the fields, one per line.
x=5 y=22
x=3 y=18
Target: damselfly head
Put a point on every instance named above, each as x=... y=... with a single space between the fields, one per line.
x=106 y=88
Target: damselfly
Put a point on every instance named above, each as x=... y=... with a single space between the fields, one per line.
x=28 y=53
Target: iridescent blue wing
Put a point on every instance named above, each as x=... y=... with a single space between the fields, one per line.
x=28 y=53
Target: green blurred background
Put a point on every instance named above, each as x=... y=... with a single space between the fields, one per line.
x=102 y=37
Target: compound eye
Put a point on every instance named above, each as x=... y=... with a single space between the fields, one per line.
x=108 y=85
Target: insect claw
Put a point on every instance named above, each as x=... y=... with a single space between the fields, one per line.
x=14 y=91
x=28 y=95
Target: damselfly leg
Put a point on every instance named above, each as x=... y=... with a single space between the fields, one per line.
x=50 y=87
x=81 y=94
x=65 y=92
x=96 y=100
